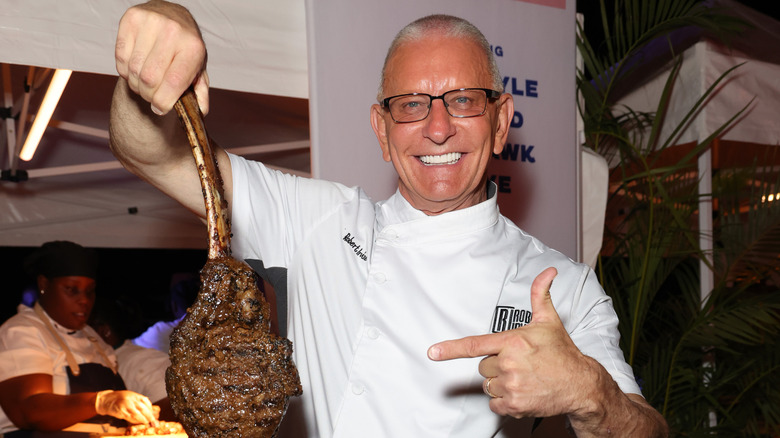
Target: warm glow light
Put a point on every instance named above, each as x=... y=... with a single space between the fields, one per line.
x=771 y=198
x=56 y=87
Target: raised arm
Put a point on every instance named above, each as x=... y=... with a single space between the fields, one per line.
x=159 y=54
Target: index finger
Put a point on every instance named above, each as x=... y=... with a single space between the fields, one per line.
x=125 y=40
x=470 y=346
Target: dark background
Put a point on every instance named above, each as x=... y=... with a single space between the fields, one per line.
x=142 y=276
x=592 y=13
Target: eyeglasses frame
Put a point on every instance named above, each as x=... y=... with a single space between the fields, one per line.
x=490 y=94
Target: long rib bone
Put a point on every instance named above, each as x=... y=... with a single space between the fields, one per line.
x=210 y=179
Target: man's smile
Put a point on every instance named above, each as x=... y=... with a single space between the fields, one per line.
x=433 y=160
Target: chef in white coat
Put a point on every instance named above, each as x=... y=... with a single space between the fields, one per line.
x=58 y=378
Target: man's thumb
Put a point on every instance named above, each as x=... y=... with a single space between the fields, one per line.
x=541 y=303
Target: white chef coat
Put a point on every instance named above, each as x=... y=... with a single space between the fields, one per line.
x=28 y=347
x=371 y=287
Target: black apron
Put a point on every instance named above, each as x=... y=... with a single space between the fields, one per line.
x=94 y=377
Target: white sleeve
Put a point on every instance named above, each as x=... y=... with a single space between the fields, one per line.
x=272 y=212
x=595 y=331
x=23 y=351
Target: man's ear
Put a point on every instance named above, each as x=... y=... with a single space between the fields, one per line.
x=505 y=112
x=379 y=125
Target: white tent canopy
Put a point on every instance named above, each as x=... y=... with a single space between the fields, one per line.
x=257 y=46
x=76 y=190
x=703 y=62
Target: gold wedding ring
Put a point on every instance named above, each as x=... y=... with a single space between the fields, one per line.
x=486 y=387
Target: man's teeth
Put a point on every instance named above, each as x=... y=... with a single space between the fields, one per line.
x=450 y=158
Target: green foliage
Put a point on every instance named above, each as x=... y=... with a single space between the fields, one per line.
x=710 y=365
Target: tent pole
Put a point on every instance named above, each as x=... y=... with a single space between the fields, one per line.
x=705 y=221
x=10 y=123
x=706 y=275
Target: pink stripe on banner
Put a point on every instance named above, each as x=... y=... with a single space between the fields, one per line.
x=554 y=3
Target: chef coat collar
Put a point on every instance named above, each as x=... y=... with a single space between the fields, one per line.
x=397 y=214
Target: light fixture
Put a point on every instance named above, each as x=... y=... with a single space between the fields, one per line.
x=50 y=100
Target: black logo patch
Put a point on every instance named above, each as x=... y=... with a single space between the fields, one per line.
x=508 y=318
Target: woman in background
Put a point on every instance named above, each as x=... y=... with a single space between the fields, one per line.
x=56 y=373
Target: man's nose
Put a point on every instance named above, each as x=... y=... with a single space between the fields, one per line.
x=438 y=124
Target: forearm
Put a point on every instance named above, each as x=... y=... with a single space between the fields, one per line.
x=50 y=412
x=145 y=143
x=607 y=411
x=153 y=147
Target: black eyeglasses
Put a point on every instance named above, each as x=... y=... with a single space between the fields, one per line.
x=464 y=102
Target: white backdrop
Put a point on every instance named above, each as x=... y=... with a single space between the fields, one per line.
x=535 y=48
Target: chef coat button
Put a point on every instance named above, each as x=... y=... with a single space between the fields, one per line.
x=373 y=333
x=380 y=277
x=357 y=388
x=391 y=234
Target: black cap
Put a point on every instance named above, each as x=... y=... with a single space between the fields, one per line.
x=62 y=259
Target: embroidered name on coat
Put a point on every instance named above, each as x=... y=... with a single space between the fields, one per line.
x=358 y=249
x=508 y=318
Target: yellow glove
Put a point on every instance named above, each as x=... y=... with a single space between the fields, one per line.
x=126 y=405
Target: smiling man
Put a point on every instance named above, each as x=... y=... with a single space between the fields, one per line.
x=441 y=145
x=426 y=314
